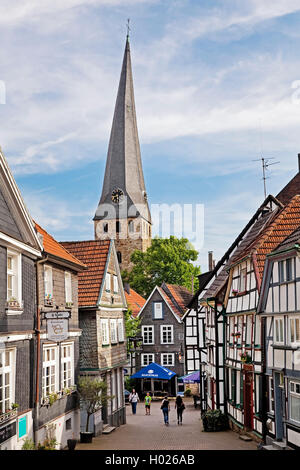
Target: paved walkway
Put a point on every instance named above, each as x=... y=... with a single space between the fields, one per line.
x=150 y=433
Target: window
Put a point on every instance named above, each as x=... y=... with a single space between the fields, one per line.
x=289 y=274
x=233 y=385
x=167 y=359
x=166 y=334
x=118 y=227
x=48 y=283
x=105 y=227
x=278 y=333
x=130 y=226
x=249 y=330
x=294 y=330
x=7 y=379
x=148 y=334
x=114 y=389
x=120 y=330
x=271 y=396
x=104 y=331
x=295 y=401
x=14 y=276
x=285 y=270
x=239 y=331
x=243 y=280
x=107 y=282
x=281 y=271
x=157 y=310
x=119 y=256
x=258 y=393
x=113 y=331
x=68 y=287
x=67 y=365
x=116 y=284
x=147 y=359
x=50 y=370
x=69 y=424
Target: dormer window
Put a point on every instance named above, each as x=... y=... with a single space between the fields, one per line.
x=157 y=310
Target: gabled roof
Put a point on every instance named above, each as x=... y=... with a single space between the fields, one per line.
x=135 y=301
x=52 y=247
x=178 y=297
x=94 y=254
x=290 y=190
x=291 y=241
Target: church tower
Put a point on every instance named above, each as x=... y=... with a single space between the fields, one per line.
x=123 y=212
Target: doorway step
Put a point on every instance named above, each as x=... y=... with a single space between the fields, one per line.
x=107 y=429
x=272 y=444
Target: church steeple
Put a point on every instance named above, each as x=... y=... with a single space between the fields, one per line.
x=124 y=166
x=123 y=212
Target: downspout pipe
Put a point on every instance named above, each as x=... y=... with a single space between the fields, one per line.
x=38 y=356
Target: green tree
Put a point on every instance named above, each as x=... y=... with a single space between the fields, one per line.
x=132 y=326
x=166 y=260
x=93 y=394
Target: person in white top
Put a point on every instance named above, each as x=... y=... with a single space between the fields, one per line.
x=133 y=399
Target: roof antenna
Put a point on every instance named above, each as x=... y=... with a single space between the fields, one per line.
x=265 y=162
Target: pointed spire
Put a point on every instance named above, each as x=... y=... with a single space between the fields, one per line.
x=124 y=166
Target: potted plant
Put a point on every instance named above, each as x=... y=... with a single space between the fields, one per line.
x=69 y=304
x=245 y=358
x=214 y=421
x=235 y=292
x=52 y=398
x=93 y=395
x=71 y=443
x=14 y=406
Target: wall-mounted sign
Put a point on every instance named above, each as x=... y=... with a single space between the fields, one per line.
x=52 y=315
x=8 y=431
x=22 y=426
x=57 y=329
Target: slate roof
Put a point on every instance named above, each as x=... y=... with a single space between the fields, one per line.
x=52 y=247
x=135 y=301
x=290 y=190
x=93 y=254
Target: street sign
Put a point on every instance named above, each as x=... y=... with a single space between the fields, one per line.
x=54 y=314
x=57 y=329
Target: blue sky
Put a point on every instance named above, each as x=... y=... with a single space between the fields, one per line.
x=213 y=88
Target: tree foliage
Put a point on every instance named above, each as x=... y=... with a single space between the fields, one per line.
x=132 y=325
x=166 y=260
x=93 y=394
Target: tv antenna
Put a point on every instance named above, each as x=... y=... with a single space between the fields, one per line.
x=265 y=166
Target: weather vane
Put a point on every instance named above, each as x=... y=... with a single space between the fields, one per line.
x=128 y=27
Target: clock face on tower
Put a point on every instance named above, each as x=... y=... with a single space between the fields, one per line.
x=117 y=196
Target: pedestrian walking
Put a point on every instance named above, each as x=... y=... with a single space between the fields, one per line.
x=133 y=399
x=148 y=400
x=180 y=406
x=165 y=407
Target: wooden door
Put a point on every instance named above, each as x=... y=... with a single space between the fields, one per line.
x=248 y=398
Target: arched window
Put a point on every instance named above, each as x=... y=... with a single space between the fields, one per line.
x=119 y=256
x=130 y=226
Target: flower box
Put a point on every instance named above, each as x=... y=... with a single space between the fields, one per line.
x=48 y=302
x=14 y=304
x=8 y=415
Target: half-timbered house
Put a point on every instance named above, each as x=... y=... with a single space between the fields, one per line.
x=102 y=305
x=280 y=312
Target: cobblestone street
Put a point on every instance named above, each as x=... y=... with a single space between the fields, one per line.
x=150 y=433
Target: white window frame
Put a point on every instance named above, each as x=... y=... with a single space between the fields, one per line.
x=293 y=384
x=121 y=330
x=166 y=328
x=294 y=320
x=114 y=389
x=148 y=361
x=145 y=333
x=53 y=362
x=116 y=284
x=243 y=280
x=68 y=287
x=113 y=331
x=158 y=315
x=108 y=282
x=48 y=282
x=271 y=396
x=16 y=273
x=8 y=371
x=167 y=356
x=104 y=332
x=278 y=333
x=68 y=360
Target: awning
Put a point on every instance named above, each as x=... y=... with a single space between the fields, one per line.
x=154 y=371
x=192 y=378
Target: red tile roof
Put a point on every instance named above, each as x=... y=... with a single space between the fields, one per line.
x=52 y=247
x=134 y=301
x=178 y=297
x=94 y=254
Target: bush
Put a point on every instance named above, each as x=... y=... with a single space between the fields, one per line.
x=214 y=420
x=48 y=444
x=28 y=444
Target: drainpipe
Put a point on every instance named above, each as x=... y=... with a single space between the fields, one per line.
x=38 y=356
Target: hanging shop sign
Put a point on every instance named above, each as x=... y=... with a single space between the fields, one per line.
x=58 y=329
x=56 y=315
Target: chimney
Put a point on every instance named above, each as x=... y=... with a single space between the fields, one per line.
x=299 y=162
x=210 y=261
x=127 y=287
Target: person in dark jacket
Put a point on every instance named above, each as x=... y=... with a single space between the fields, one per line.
x=165 y=407
x=179 y=405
